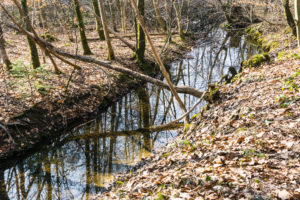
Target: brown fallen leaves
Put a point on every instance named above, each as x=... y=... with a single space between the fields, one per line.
x=246 y=147
x=23 y=87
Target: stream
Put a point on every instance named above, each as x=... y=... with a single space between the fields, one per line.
x=84 y=161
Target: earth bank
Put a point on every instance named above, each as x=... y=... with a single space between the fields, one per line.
x=243 y=146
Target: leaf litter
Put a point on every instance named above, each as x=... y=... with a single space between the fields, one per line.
x=247 y=146
x=23 y=88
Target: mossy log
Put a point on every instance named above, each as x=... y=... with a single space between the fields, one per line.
x=256 y=60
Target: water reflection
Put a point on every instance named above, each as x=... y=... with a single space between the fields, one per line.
x=83 y=162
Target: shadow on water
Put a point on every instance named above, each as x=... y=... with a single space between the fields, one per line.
x=85 y=160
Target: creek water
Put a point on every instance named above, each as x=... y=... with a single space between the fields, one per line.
x=83 y=162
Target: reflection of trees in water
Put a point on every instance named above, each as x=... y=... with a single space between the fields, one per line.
x=79 y=165
x=3 y=192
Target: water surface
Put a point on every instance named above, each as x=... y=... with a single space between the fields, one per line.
x=84 y=161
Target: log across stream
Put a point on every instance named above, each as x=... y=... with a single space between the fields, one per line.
x=84 y=161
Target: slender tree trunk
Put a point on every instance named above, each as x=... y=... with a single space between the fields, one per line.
x=169 y=9
x=158 y=59
x=123 y=15
x=158 y=16
x=84 y=42
x=111 y=54
x=3 y=53
x=141 y=43
x=224 y=10
x=289 y=16
x=60 y=53
x=179 y=19
x=113 y=16
x=99 y=26
x=33 y=50
x=297 y=18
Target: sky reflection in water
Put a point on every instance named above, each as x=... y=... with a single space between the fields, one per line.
x=84 y=161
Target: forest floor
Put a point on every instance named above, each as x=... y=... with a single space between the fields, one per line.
x=246 y=146
x=38 y=101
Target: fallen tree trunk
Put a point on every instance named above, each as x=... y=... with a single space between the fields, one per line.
x=55 y=51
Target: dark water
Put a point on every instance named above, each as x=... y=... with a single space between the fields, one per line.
x=85 y=160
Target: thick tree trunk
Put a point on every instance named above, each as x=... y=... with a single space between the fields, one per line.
x=3 y=54
x=297 y=18
x=99 y=26
x=111 y=54
x=84 y=42
x=141 y=43
x=289 y=16
x=33 y=50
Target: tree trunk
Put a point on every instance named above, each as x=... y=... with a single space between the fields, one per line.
x=111 y=54
x=158 y=59
x=179 y=19
x=3 y=53
x=224 y=10
x=158 y=16
x=297 y=18
x=99 y=26
x=58 y=53
x=169 y=10
x=123 y=15
x=289 y=16
x=84 y=42
x=127 y=43
x=3 y=192
x=33 y=50
x=141 y=43
x=113 y=16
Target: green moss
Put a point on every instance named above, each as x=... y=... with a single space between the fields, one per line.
x=188 y=127
x=289 y=54
x=49 y=38
x=195 y=116
x=269 y=46
x=42 y=89
x=226 y=26
x=213 y=94
x=254 y=34
x=256 y=60
x=288 y=30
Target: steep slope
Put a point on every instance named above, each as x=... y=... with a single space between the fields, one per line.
x=246 y=146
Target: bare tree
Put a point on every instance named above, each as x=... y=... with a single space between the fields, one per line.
x=99 y=26
x=33 y=50
x=84 y=43
x=289 y=16
x=178 y=10
x=158 y=16
x=3 y=53
x=111 y=54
